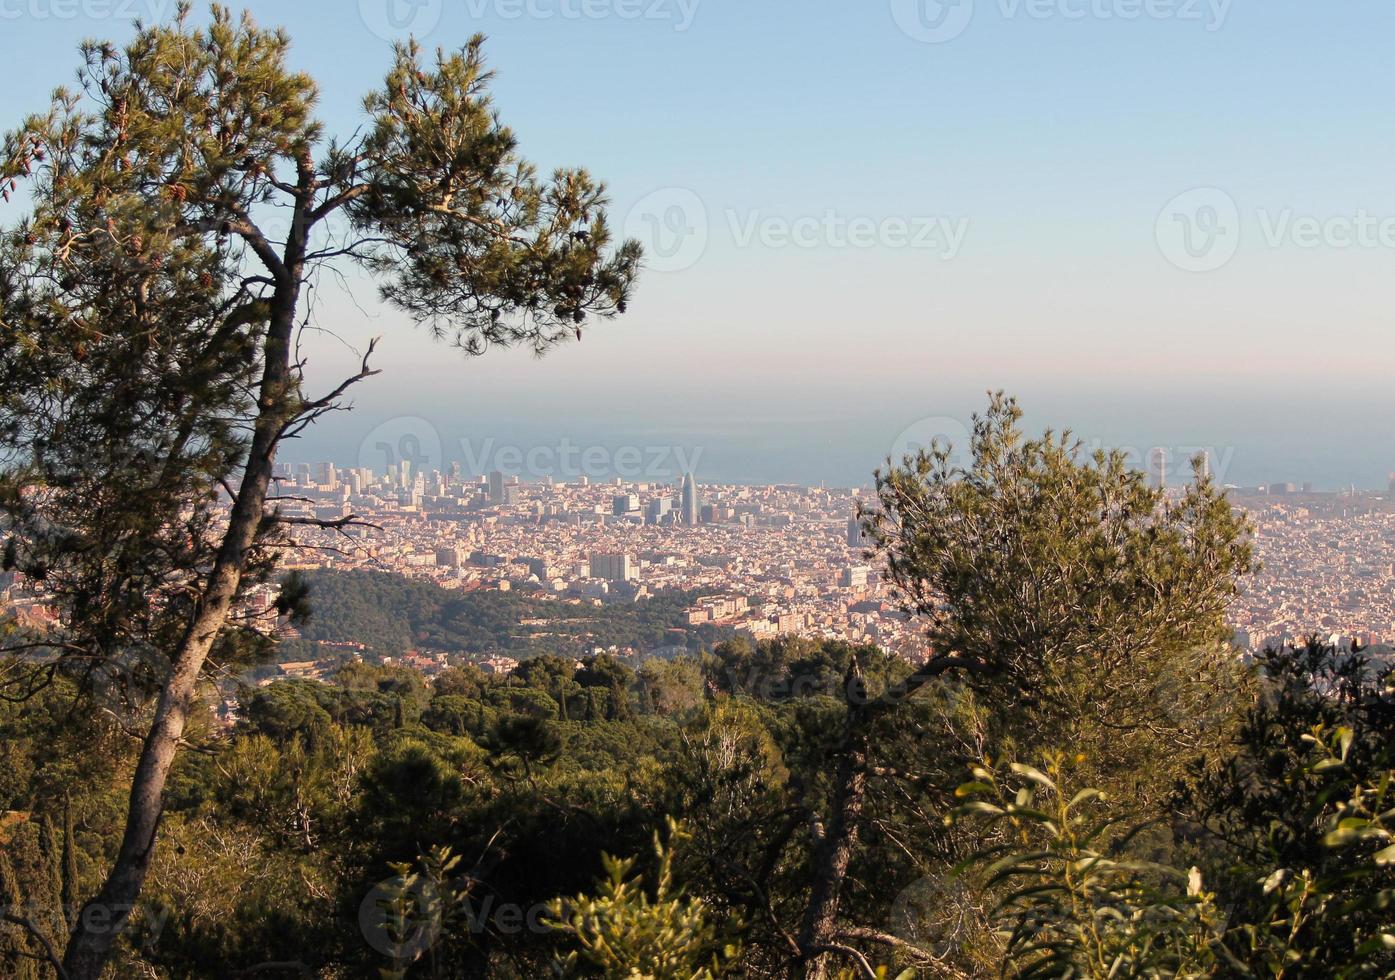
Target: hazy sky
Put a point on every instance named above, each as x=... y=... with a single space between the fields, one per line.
x=1159 y=222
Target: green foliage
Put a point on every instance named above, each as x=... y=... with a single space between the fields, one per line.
x=391 y=614
x=622 y=932
x=1075 y=903
x=524 y=742
x=16 y=945
x=419 y=903
x=150 y=303
x=1077 y=899
x=1061 y=583
x=1289 y=827
x=472 y=234
x=293 y=601
x=791 y=667
x=457 y=715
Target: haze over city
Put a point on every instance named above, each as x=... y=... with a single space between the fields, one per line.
x=855 y=223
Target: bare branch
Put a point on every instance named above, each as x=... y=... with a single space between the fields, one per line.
x=338 y=524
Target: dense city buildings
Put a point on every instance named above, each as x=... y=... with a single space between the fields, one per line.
x=1327 y=566
x=799 y=555
x=769 y=560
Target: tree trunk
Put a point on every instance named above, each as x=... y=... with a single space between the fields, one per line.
x=834 y=853
x=103 y=918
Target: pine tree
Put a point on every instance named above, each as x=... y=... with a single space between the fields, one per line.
x=69 y=890
x=1052 y=582
x=15 y=955
x=56 y=912
x=152 y=315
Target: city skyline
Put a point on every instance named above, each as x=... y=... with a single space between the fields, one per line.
x=1327 y=560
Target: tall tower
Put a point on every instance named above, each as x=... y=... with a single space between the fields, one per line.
x=1157 y=468
x=690 y=501
x=857 y=537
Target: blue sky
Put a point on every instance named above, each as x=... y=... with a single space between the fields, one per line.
x=881 y=219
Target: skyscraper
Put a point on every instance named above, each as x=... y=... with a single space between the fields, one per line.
x=496 y=487
x=690 y=501
x=857 y=538
x=1157 y=468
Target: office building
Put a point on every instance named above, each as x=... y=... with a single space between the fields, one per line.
x=624 y=503
x=614 y=568
x=689 y=501
x=1157 y=469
